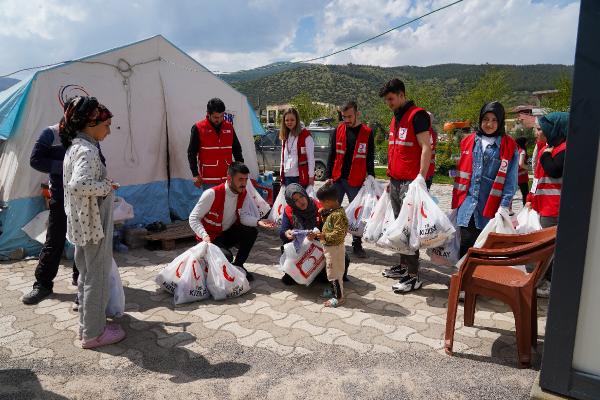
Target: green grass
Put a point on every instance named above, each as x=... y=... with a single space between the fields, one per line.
x=440 y=179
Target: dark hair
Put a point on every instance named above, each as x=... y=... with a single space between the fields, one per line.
x=237 y=167
x=80 y=111
x=327 y=192
x=393 y=86
x=351 y=104
x=522 y=142
x=215 y=105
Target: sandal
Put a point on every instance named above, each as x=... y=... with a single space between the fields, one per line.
x=333 y=303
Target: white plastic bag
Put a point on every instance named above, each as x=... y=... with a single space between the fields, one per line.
x=116 y=295
x=433 y=228
x=261 y=204
x=375 y=224
x=400 y=231
x=224 y=280
x=122 y=210
x=310 y=191
x=447 y=254
x=278 y=208
x=528 y=220
x=37 y=227
x=169 y=277
x=305 y=264
x=359 y=210
x=192 y=284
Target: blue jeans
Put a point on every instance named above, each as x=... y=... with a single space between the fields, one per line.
x=343 y=188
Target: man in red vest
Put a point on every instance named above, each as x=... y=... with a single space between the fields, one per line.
x=409 y=157
x=219 y=217
x=212 y=143
x=351 y=159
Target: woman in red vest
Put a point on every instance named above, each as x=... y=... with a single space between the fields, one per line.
x=486 y=179
x=547 y=183
x=297 y=151
x=523 y=178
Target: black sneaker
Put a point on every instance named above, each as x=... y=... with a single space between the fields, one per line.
x=249 y=275
x=288 y=280
x=37 y=294
x=358 y=251
x=396 y=272
x=407 y=284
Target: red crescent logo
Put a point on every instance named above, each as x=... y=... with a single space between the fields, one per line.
x=226 y=275
x=279 y=208
x=423 y=211
x=357 y=211
x=177 y=273
x=196 y=277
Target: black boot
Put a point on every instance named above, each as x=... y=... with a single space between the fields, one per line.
x=37 y=294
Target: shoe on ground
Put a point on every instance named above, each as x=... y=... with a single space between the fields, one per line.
x=407 y=284
x=75 y=306
x=113 y=333
x=249 y=275
x=543 y=291
x=396 y=272
x=288 y=280
x=359 y=252
x=37 y=294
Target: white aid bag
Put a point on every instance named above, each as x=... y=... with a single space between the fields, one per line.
x=37 y=227
x=432 y=226
x=375 y=223
x=528 y=220
x=261 y=204
x=359 y=210
x=116 y=294
x=278 y=208
x=192 y=283
x=447 y=254
x=305 y=264
x=169 y=277
x=224 y=280
x=122 y=210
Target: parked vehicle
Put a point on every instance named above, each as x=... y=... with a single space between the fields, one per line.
x=268 y=150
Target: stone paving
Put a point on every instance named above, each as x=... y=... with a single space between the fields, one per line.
x=276 y=341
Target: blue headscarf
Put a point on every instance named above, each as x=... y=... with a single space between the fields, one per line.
x=555 y=127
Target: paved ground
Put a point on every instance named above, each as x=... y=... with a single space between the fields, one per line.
x=276 y=342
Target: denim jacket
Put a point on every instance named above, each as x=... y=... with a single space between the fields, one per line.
x=485 y=167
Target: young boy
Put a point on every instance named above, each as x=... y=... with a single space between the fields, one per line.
x=334 y=231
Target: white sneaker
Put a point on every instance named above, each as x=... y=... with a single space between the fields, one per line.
x=407 y=284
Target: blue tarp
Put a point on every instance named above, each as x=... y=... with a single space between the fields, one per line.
x=12 y=104
x=257 y=128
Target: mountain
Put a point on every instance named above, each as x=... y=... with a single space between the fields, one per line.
x=5 y=83
x=279 y=82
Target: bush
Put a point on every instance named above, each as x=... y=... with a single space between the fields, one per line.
x=381 y=153
x=444 y=164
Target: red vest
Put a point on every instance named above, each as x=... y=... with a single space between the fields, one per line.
x=523 y=174
x=462 y=181
x=213 y=220
x=302 y=158
x=215 y=153
x=358 y=168
x=434 y=139
x=546 y=190
x=288 y=211
x=404 y=152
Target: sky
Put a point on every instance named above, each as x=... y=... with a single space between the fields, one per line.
x=232 y=35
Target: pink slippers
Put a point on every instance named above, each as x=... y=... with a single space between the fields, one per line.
x=113 y=333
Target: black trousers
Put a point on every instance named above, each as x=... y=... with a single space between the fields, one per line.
x=524 y=187
x=49 y=260
x=240 y=236
x=468 y=236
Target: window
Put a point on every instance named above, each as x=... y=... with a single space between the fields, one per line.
x=321 y=138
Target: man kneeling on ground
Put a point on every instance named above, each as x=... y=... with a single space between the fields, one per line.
x=218 y=217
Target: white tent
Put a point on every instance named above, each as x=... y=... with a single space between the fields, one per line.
x=156 y=93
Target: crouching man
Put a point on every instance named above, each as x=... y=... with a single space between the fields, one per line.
x=218 y=217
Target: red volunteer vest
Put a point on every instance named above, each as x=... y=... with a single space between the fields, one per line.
x=213 y=220
x=546 y=190
x=288 y=211
x=434 y=139
x=358 y=168
x=523 y=174
x=215 y=153
x=302 y=158
x=462 y=181
x=404 y=152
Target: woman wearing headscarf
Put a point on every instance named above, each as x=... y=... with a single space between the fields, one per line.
x=523 y=177
x=486 y=179
x=89 y=197
x=302 y=213
x=547 y=183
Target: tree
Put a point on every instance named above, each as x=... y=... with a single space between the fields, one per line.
x=559 y=101
x=493 y=86
x=309 y=109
